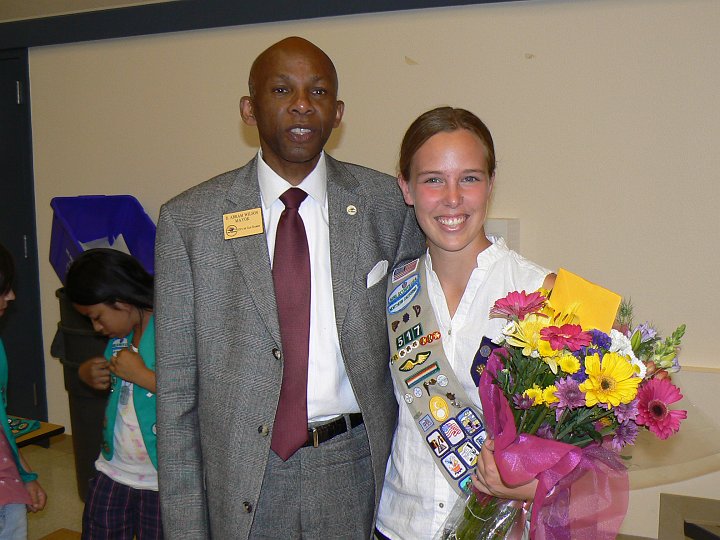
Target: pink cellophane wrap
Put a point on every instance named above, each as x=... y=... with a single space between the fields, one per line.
x=581 y=492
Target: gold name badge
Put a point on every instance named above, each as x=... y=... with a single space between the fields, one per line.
x=245 y=223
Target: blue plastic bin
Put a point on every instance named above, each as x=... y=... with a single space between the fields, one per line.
x=87 y=218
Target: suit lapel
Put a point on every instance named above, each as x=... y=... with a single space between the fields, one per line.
x=345 y=227
x=251 y=252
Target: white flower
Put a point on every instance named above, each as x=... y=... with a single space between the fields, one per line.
x=620 y=343
x=507 y=330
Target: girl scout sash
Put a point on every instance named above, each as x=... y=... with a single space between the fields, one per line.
x=449 y=424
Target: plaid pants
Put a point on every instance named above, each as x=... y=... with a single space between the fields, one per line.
x=114 y=511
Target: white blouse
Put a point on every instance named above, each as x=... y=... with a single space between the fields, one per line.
x=416 y=498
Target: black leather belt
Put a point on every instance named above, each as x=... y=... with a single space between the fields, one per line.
x=324 y=432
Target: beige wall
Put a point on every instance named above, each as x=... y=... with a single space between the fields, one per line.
x=604 y=113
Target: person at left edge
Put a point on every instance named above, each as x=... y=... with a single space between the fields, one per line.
x=115 y=292
x=220 y=357
x=19 y=488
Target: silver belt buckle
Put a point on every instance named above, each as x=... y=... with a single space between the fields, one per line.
x=315 y=437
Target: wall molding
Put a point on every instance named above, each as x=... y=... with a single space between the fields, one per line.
x=186 y=15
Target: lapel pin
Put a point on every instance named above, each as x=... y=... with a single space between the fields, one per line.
x=455 y=402
x=351 y=210
x=427 y=384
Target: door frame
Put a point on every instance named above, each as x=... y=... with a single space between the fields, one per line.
x=22 y=325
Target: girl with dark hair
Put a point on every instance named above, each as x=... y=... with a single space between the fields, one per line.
x=116 y=293
x=19 y=488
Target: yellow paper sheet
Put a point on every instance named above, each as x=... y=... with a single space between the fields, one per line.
x=597 y=305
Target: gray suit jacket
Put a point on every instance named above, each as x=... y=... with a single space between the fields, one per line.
x=216 y=322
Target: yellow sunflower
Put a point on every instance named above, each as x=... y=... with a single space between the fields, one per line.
x=569 y=363
x=548 y=394
x=535 y=393
x=612 y=381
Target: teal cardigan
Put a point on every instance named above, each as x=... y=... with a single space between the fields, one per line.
x=25 y=475
x=143 y=399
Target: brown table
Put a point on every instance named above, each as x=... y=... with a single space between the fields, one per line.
x=45 y=431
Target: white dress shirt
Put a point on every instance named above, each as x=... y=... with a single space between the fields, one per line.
x=416 y=498
x=329 y=391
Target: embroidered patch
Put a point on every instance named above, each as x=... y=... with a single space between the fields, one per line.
x=439 y=408
x=453 y=465
x=426 y=423
x=470 y=423
x=433 y=336
x=403 y=294
x=408 y=335
x=438 y=443
x=479 y=439
x=452 y=431
x=421 y=375
x=481 y=358
x=401 y=271
x=407 y=350
x=409 y=364
x=118 y=344
x=465 y=484
x=468 y=453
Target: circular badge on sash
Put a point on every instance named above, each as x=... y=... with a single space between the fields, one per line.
x=439 y=408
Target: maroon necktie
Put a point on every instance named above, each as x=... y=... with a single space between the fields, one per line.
x=291 y=276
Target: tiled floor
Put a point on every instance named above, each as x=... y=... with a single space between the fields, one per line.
x=56 y=467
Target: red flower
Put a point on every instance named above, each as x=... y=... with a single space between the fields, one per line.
x=517 y=305
x=654 y=396
x=567 y=335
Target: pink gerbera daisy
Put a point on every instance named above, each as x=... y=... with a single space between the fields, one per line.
x=654 y=396
x=567 y=335
x=517 y=305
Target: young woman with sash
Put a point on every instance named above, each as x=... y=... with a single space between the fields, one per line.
x=438 y=313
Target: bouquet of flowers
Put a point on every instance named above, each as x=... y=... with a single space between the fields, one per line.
x=561 y=400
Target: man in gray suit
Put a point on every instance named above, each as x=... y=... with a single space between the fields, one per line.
x=220 y=351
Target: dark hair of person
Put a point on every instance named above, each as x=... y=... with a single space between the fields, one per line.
x=443 y=119
x=106 y=276
x=7 y=270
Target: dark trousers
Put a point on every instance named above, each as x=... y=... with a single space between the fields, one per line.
x=114 y=511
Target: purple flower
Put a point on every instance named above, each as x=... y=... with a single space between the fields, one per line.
x=569 y=394
x=523 y=402
x=581 y=353
x=545 y=431
x=627 y=411
x=647 y=332
x=579 y=376
x=625 y=434
x=600 y=339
